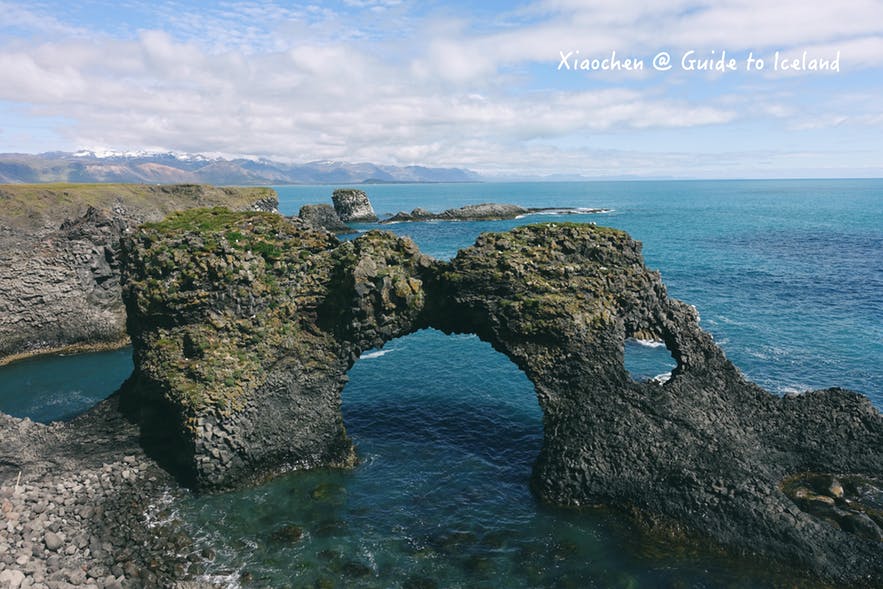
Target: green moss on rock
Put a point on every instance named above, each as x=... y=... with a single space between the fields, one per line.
x=222 y=292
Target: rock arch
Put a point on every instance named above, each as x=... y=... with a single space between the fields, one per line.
x=244 y=326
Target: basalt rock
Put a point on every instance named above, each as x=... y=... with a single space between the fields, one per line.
x=352 y=205
x=80 y=504
x=324 y=216
x=485 y=212
x=480 y=212
x=60 y=280
x=244 y=326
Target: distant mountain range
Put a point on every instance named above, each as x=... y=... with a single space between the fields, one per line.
x=175 y=168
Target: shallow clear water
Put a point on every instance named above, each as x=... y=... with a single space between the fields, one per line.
x=787 y=275
x=53 y=387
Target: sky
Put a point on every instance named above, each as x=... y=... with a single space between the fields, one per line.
x=507 y=89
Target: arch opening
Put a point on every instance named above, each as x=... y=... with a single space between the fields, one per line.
x=648 y=360
x=455 y=423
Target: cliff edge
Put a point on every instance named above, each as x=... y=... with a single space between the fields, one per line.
x=59 y=245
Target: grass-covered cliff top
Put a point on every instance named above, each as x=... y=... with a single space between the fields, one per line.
x=38 y=205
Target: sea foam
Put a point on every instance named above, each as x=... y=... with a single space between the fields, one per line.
x=375 y=354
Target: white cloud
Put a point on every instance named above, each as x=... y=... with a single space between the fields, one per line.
x=305 y=83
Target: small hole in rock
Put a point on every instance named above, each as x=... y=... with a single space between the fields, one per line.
x=648 y=360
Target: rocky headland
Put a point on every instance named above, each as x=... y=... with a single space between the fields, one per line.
x=60 y=286
x=244 y=326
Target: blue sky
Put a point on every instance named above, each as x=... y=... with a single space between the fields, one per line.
x=466 y=84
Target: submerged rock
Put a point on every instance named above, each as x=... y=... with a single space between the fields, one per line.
x=244 y=326
x=352 y=205
x=288 y=534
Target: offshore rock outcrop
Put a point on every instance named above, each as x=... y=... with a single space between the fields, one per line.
x=244 y=326
x=481 y=212
x=324 y=216
x=352 y=205
x=488 y=211
x=59 y=288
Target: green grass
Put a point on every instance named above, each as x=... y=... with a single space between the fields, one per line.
x=35 y=205
x=204 y=221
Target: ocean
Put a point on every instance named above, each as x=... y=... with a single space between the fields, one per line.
x=787 y=276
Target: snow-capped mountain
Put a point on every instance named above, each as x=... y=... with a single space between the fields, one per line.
x=145 y=166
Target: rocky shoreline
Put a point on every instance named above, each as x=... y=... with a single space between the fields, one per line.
x=82 y=506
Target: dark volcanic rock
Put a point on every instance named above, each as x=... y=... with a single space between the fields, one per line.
x=244 y=327
x=81 y=502
x=352 y=205
x=480 y=212
x=59 y=287
x=485 y=212
x=323 y=216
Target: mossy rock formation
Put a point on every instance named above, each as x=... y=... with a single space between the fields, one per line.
x=245 y=324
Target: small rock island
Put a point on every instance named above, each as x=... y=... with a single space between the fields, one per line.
x=488 y=211
x=352 y=205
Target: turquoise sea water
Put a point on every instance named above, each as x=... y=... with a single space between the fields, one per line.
x=53 y=387
x=787 y=276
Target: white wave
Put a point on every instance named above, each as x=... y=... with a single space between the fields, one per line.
x=570 y=211
x=662 y=378
x=794 y=389
x=649 y=343
x=161 y=512
x=375 y=354
x=229 y=581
